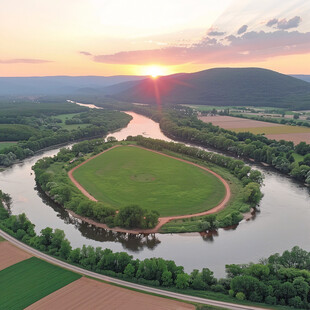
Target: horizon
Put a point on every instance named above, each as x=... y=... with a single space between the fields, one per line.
x=149 y=76
x=104 y=38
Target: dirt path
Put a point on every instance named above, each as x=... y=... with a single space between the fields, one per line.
x=162 y=220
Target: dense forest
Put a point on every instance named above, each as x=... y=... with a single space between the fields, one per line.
x=278 y=280
x=38 y=125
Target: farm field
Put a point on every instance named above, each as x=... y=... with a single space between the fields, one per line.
x=30 y=280
x=90 y=294
x=10 y=255
x=130 y=175
x=274 y=131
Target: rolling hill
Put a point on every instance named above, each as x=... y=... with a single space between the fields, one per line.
x=221 y=87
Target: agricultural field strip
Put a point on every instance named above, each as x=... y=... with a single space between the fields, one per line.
x=79 y=270
x=30 y=280
x=164 y=220
x=10 y=255
x=93 y=294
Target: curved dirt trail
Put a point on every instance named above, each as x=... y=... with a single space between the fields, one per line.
x=161 y=220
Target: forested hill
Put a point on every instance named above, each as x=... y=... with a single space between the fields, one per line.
x=222 y=87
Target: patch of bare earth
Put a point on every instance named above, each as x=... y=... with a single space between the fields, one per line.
x=295 y=137
x=230 y=122
x=10 y=255
x=90 y=294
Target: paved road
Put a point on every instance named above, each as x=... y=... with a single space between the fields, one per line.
x=57 y=262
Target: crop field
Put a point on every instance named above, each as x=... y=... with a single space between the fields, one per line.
x=274 y=131
x=90 y=294
x=3 y=145
x=30 y=280
x=10 y=255
x=130 y=175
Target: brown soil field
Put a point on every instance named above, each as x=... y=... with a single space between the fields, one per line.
x=230 y=122
x=295 y=137
x=90 y=294
x=10 y=255
x=274 y=131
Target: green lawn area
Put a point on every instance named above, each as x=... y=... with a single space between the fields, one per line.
x=64 y=117
x=1 y=239
x=129 y=175
x=3 y=145
x=30 y=280
x=298 y=158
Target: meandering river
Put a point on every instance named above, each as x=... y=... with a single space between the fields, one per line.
x=282 y=223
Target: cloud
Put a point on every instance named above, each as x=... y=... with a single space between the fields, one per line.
x=213 y=32
x=288 y=24
x=85 y=53
x=272 y=22
x=284 y=23
x=251 y=46
x=242 y=29
x=24 y=61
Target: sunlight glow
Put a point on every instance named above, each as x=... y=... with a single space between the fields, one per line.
x=154 y=71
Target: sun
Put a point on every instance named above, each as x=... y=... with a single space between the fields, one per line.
x=154 y=71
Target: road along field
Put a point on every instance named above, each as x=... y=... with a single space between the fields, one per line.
x=274 y=131
x=132 y=175
x=30 y=280
x=90 y=294
x=10 y=255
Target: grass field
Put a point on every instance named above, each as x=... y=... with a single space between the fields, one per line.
x=3 y=145
x=1 y=239
x=64 y=117
x=130 y=175
x=30 y=280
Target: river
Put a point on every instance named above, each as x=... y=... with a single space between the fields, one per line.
x=282 y=223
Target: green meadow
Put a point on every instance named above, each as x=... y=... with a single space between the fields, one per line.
x=130 y=175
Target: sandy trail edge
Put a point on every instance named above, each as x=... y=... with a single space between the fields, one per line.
x=161 y=220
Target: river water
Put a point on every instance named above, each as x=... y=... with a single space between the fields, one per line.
x=282 y=223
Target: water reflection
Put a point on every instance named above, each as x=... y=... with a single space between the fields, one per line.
x=134 y=243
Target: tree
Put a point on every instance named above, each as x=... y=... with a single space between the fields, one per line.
x=182 y=281
x=166 y=278
x=129 y=271
x=130 y=217
x=252 y=193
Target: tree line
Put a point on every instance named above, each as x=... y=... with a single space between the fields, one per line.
x=278 y=280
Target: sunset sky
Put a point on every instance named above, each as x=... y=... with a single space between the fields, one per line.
x=112 y=37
